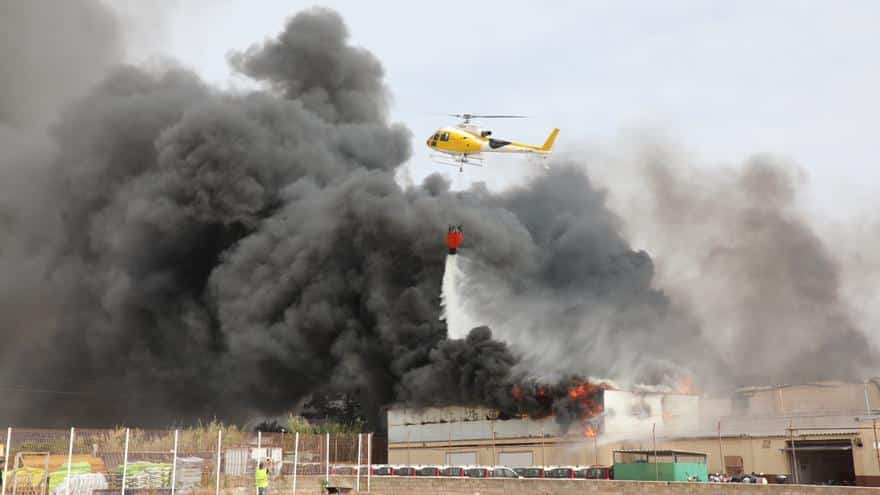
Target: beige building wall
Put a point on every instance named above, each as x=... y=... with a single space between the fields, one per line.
x=813 y=398
x=551 y=453
x=759 y=454
x=820 y=411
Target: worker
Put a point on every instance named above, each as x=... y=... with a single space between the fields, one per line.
x=261 y=476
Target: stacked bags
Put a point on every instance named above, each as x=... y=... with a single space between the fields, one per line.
x=81 y=484
x=76 y=469
x=189 y=474
x=142 y=474
x=81 y=481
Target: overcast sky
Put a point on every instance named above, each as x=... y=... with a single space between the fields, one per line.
x=723 y=79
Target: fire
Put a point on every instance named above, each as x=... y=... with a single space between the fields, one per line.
x=581 y=390
x=589 y=432
x=585 y=393
x=517 y=393
x=570 y=399
x=685 y=385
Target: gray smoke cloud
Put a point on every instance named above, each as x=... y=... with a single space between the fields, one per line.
x=736 y=247
x=182 y=253
x=51 y=52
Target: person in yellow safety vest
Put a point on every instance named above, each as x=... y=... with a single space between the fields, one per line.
x=261 y=477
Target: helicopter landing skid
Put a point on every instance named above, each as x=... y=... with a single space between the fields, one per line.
x=458 y=160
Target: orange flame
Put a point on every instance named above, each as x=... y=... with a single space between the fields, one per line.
x=589 y=432
x=581 y=390
x=685 y=385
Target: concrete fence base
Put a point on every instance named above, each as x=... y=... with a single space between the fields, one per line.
x=468 y=486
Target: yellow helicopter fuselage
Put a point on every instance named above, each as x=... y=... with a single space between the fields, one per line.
x=469 y=140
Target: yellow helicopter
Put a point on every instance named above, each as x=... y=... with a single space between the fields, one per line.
x=464 y=143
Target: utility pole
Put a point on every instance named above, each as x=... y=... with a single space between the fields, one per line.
x=543 y=454
x=794 y=463
x=494 y=451
x=656 y=465
x=876 y=445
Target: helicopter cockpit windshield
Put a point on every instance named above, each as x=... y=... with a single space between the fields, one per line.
x=440 y=136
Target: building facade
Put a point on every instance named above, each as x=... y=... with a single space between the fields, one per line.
x=826 y=430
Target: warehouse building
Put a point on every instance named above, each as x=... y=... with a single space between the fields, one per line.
x=827 y=430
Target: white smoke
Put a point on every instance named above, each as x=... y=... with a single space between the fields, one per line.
x=459 y=320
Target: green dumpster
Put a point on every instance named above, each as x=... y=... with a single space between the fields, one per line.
x=660 y=465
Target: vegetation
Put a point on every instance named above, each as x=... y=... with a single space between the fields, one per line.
x=196 y=439
x=199 y=438
x=302 y=425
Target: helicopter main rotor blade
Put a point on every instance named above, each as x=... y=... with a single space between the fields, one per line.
x=469 y=116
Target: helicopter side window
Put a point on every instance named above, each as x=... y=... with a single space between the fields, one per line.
x=436 y=136
x=444 y=136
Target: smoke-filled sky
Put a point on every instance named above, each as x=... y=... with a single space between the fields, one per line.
x=726 y=79
x=173 y=249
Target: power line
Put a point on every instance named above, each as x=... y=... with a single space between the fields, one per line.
x=40 y=391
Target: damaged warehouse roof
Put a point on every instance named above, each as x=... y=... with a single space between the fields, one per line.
x=802 y=410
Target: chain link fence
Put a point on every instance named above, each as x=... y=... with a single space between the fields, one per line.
x=200 y=461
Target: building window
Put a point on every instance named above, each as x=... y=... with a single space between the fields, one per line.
x=461 y=458
x=516 y=459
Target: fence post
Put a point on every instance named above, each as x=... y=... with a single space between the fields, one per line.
x=45 y=489
x=174 y=464
x=69 y=459
x=6 y=456
x=327 y=458
x=369 y=459
x=357 y=482
x=295 y=459
x=219 y=442
x=124 y=461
